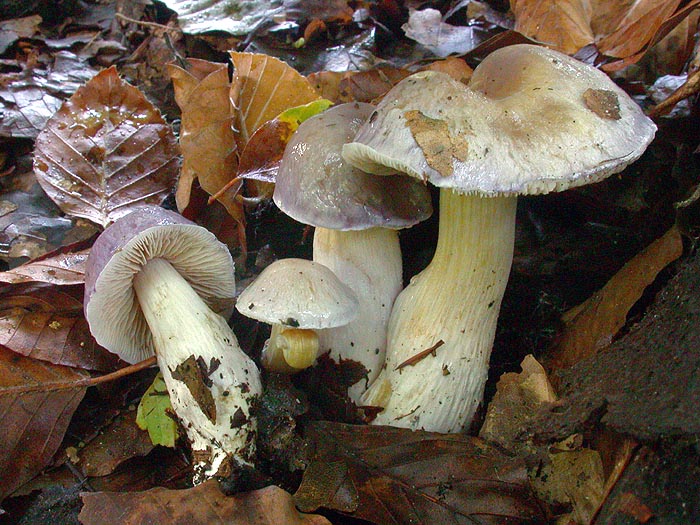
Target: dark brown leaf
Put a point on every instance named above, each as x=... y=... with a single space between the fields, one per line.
x=106 y=151
x=62 y=269
x=33 y=423
x=204 y=504
x=47 y=322
x=121 y=440
x=394 y=475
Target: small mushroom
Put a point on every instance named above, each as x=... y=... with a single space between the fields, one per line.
x=157 y=283
x=297 y=297
x=530 y=121
x=356 y=216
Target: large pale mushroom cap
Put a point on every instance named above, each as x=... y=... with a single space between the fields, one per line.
x=111 y=306
x=315 y=185
x=530 y=121
x=298 y=293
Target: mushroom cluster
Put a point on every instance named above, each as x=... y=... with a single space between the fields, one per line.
x=356 y=216
x=156 y=283
x=530 y=121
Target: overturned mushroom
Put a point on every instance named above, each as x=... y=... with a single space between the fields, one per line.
x=356 y=217
x=155 y=282
x=299 y=298
x=530 y=121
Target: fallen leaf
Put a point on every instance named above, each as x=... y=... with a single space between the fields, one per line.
x=12 y=30
x=427 y=28
x=591 y=326
x=153 y=414
x=206 y=135
x=394 y=475
x=118 y=442
x=106 y=151
x=564 y=25
x=33 y=422
x=636 y=28
x=236 y=17
x=262 y=88
x=204 y=504
x=46 y=322
x=62 y=269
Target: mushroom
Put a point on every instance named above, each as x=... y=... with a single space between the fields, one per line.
x=157 y=283
x=297 y=297
x=356 y=216
x=530 y=121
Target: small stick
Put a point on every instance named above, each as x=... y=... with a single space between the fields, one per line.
x=154 y=25
x=87 y=382
x=420 y=355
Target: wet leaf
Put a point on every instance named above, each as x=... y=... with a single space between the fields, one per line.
x=33 y=422
x=106 y=151
x=262 y=88
x=46 y=322
x=564 y=25
x=62 y=269
x=359 y=86
x=591 y=326
x=427 y=28
x=152 y=414
x=31 y=97
x=120 y=441
x=12 y=30
x=204 y=504
x=206 y=134
x=236 y=17
x=393 y=475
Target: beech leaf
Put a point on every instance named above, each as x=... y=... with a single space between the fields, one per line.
x=33 y=416
x=46 y=322
x=564 y=25
x=106 y=151
x=262 y=88
x=204 y=504
x=394 y=475
x=206 y=134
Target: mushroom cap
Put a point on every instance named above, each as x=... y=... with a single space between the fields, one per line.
x=111 y=306
x=298 y=293
x=315 y=185
x=531 y=120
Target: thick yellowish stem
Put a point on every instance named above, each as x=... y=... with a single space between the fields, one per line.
x=452 y=306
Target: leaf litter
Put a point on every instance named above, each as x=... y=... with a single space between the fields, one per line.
x=346 y=461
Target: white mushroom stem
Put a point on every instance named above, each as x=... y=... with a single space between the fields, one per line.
x=369 y=263
x=452 y=307
x=289 y=350
x=211 y=382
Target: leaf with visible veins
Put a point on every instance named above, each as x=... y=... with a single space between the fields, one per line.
x=106 y=151
x=394 y=475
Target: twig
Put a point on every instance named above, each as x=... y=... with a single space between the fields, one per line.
x=80 y=383
x=154 y=25
x=420 y=355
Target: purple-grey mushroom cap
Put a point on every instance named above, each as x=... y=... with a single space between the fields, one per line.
x=111 y=306
x=316 y=186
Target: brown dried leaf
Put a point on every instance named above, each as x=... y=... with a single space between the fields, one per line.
x=393 y=475
x=61 y=269
x=46 y=322
x=591 y=326
x=564 y=25
x=204 y=504
x=33 y=422
x=106 y=151
x=636 y=28
x=262 y=88
x=206 y=135
x=121 y=440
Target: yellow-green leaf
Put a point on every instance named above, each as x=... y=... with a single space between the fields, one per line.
x=152 y=414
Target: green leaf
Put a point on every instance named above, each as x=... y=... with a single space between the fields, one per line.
x=153 y=414
x=299 y=114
